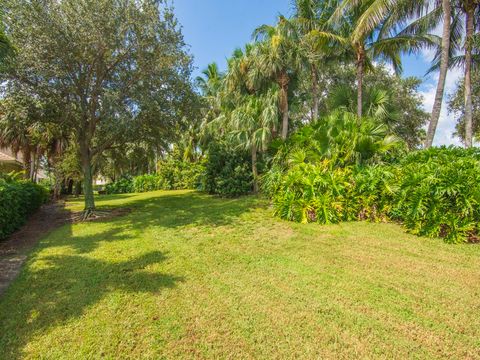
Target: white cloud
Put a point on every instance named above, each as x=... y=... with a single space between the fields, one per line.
x=446 y=122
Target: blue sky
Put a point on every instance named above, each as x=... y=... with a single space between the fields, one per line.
x=214 y=28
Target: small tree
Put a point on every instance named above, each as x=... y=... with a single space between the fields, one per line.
x=116 y=69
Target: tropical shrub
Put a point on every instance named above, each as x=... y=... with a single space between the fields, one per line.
x=433 y=192
x=439 y=193
x=172 y=175
x=227 y=171
x=122 y=186
x=18 y=200
x=343 y=140
x=179 y=174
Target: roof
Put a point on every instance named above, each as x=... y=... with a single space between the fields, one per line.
x=7 y=158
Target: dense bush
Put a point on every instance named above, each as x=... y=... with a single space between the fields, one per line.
x=227 y=171
x=177 y=175
x=18 y=200
x=172 y=175
x=122 y=186
x=433 y=193
x=439 y=193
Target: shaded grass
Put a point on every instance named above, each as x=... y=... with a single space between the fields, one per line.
x=185 y=275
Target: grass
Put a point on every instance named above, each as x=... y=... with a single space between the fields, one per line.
x=185 y=275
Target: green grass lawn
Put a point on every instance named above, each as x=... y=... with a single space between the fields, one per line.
x=185 y=275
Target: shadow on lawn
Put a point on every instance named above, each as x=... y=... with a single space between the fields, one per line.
x=177 y=210
x=165 y=211
x=63 y=286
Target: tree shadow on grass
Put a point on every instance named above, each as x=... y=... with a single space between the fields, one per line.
x=64 y=286
x=178 y=210
x=168 y=211
x=60 y=287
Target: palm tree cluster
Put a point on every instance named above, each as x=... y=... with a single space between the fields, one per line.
x=253 y=99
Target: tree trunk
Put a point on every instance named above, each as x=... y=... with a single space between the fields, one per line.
x=77 y=189
x=469 y=14
x=57 y=188
x=27 y=158
x=32 y=165
x=283 y=81
x=254 y=168
x=314 y=93
x=437 y=105
x=87 y=178
x=36 y=165
x=360 y=70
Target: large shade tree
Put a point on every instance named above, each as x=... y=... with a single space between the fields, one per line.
x=117 y=69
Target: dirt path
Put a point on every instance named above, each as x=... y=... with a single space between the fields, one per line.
x=14 y=250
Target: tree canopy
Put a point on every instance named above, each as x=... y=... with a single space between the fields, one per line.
x=116 y=72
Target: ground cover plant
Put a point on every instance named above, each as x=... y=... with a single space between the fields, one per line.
x=433 y=192
x=186 y=275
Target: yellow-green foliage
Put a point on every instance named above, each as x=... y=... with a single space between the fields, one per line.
x=434 y=193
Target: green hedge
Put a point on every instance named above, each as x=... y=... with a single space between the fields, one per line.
x=433 y=192
x=172 y=175
x=18 y=200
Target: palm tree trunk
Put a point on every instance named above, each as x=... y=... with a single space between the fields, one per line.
x=437 y=105
x=360 y=70
x=27 y=158
x=314 y=93
x=469 y=14
x=32 y=165
x=283 y=82
x=254 y=168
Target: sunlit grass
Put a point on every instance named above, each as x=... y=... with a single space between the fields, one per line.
x=185 y=275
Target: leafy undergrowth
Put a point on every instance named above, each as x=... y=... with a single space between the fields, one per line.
x=185 y=275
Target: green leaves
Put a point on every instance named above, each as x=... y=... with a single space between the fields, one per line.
x=18 y=200
x=434 y=193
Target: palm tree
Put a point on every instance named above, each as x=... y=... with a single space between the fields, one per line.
x=454 y=34
x=470 y=8
x=276 y=58
x=16 y=131
x=371 y=29
x=252 y=122
x=211 y=81
x=445 y=53
x=316 y=40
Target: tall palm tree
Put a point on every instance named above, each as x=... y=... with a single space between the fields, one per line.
x=373 y=31
x=210 y=84
x=445 y=53
x=459 y=38
x=316 y=40
x=251 y=124
x=277 y=59
x=470 y=8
